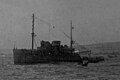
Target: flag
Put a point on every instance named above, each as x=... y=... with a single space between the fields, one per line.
x=53 y=26
x=72 y=27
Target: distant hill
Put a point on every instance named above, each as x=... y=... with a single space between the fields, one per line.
x=100 y=47
x=104 y=47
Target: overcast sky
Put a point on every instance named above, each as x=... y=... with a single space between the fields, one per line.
x=95 y=21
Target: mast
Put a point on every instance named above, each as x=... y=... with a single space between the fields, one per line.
x=33 y=32
x=14 y=45
x=71 y=41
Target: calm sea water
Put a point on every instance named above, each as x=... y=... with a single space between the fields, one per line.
x=63 y=71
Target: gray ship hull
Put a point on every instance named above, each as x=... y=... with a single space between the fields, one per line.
x=28 y=57
x=22 y=56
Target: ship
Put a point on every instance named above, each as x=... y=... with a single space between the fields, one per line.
x=48 y=52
